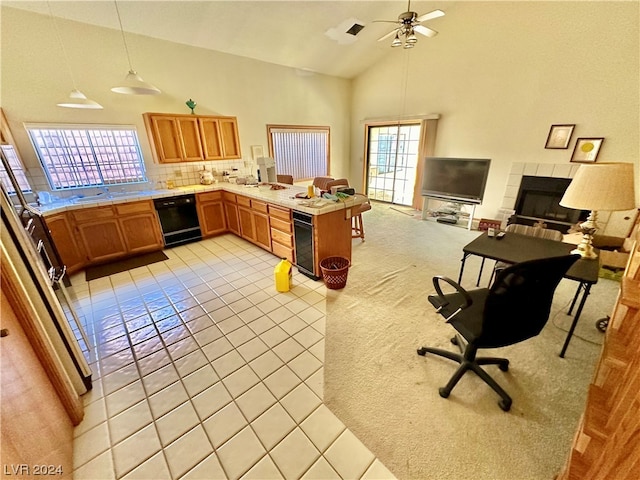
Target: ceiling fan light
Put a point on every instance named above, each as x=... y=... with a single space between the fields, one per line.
x=409 y=45
x=411 y=37
x=134 y=85
x=396 y=41
x=77 y=99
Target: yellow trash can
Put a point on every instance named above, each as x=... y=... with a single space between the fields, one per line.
x=283 y=275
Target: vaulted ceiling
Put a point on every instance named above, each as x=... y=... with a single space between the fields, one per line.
x=289 y=33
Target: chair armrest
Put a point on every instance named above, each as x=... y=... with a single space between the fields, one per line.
x=441 y=296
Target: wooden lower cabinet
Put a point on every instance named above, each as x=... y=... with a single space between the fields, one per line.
x=141 y=233
x=102 y=240
x=281 y=227
x=231 y=215
x=71 y=252
x=263 y=233
x=247 y=225
x=101 y=234
x=211 y=213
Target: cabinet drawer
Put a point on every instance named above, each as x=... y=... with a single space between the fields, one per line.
x=209 y=196
x=243 y=201
x=282 y=225
x=90 y=214
x=259 y=206
x=282 y=251
x=135 y=207
x=229 y=197
x=279 y=212
x=282 y=238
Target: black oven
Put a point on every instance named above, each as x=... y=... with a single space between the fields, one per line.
x=179 y=219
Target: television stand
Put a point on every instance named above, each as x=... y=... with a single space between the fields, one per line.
x=450 y=212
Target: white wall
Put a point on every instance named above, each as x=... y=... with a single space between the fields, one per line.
x=35 y=78
x=501 y=73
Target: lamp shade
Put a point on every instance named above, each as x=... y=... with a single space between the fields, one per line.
x=601 y=186
x=77 y=99
x=134 y=85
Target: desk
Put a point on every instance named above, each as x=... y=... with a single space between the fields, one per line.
x=515 y=248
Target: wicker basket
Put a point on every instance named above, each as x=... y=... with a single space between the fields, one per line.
x=334 y=272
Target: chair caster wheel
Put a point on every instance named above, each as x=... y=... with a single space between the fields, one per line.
x=454 y=340
x=422 y=351
x=443 y=393
x=602 y=324
x=504 y=366
x=505 y=405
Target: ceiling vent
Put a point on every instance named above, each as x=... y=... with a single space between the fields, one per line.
x=345 y=33
x=355 y=29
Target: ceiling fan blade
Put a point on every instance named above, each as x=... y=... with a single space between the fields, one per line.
x=392 y=32
x=426 y=31
x=430 y=15
x=384 y=21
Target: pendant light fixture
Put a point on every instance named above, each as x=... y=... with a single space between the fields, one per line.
x=77 y=99
x=133 y=83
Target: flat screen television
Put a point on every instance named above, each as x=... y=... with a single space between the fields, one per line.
x=455 y=179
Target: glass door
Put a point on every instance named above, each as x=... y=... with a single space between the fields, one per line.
x=392 y=158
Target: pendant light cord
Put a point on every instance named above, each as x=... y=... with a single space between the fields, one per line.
x=126 y=49
x=64 y=51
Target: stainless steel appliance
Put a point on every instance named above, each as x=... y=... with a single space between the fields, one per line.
x=303 y=231
x=179 y=219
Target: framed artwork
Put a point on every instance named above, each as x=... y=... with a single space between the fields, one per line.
x=257 y=151
x=559 y=136
x=586 y=150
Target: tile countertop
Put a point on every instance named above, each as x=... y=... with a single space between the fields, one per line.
x=284 y=198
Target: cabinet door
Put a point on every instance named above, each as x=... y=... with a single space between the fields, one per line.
x=212 y=221
x=230 y=139
x=102 y=240
x=231 y=212
x=211 y=138
x=247 y=225
x=166 y=137
x=64 y=238
x=262 y=230
x=190 y=138
x=141 y=233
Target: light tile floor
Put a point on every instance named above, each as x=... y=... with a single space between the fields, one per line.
x=203 y=371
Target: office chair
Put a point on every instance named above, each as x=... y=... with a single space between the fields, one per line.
x=515 y=308
x=530 y=231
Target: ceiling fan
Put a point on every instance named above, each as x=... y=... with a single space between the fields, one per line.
x=409 y=23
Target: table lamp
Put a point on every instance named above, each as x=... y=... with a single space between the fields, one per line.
x=599 y=186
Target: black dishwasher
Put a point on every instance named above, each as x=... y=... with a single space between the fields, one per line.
x=303 y=230
x=179 y=219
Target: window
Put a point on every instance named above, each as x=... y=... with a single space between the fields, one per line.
x=300 y=151
x=76 y=156
x=16 y=167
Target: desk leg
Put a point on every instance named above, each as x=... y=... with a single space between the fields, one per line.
x=480 y=274
x=464 y=259
x=587 y=289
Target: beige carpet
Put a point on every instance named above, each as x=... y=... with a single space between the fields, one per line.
x=388 y=395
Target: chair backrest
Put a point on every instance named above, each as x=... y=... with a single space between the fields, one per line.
x=288 y=179
x=321 y=182
x=539 y=232
x=519 y=301
x=338 y=182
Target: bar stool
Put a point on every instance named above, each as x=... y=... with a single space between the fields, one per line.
x=357 y=226
x=288 y=179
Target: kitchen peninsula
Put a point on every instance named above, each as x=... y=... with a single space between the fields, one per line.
x=106 y=227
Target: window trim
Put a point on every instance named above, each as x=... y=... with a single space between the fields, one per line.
x=29 y=127
x=297 y=128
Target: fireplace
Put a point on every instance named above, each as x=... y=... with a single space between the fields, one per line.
x=539 y=201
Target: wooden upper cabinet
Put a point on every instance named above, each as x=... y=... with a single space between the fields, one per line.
x=211 y=138
x=164 y=137
x=230 y=137
x=192 y=138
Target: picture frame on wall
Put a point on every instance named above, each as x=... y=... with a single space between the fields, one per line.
x=586 y=150
x=559 y=136
x=257 y=151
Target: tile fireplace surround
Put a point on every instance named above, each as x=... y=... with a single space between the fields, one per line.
x=557 y=170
